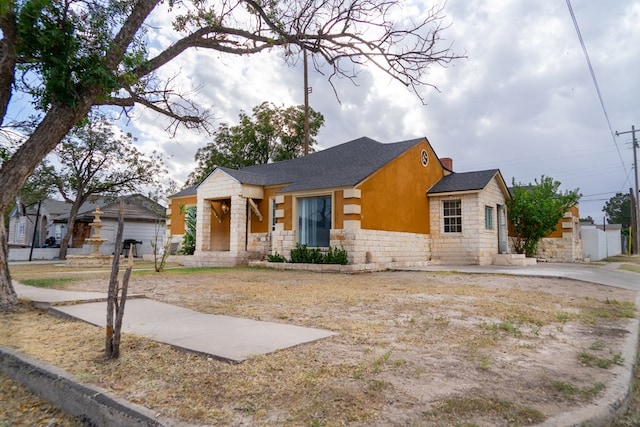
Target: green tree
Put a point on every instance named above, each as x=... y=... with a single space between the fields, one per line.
x=618 y=210
x=95 y=160
x=535 y=209
x=188 y=246
x=271 y=134
x=71 y=56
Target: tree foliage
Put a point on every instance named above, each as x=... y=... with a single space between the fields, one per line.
x=188 y=246
x=70 y=56
x=96 y=160
x=535 y=209
x=618 y=210
x=272 y=133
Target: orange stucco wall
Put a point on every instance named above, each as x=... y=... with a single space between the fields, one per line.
x=394 y=198
x=264 y=207
x=177 y=217
x=559 y=229
x=338 y=209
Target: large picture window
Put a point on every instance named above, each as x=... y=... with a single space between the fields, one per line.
x=452 y=215
x=314 y=221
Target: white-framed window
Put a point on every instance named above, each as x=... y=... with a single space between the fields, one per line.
x=314 y=221
x=488 y=217
x=452 y=216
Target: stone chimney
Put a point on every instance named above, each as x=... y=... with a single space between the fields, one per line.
x=447 y=162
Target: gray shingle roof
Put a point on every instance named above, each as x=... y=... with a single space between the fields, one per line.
x=341 y=166
x=189 y=191
x=465 y=181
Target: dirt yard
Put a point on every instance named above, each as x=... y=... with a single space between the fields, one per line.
x=414 y=348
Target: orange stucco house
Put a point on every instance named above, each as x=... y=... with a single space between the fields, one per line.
x=388 y=205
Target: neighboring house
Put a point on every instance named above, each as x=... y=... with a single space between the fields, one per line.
x=386 y=204
x=144 y=220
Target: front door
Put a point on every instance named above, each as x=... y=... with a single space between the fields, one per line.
x=220 y=225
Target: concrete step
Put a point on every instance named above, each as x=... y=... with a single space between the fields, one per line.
x=513 y=259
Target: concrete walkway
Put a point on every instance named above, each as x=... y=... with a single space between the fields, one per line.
x=222 y=337
x=607 y=274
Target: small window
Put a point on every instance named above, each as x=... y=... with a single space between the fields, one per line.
x=488 y=217
x=452 y=215
x=274 y=208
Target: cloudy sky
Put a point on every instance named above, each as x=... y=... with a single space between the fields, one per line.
x=523 y=101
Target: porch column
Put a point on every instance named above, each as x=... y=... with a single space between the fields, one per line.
x=203 y=226
x=238 y=237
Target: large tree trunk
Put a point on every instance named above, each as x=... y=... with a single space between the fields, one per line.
x=55 y=125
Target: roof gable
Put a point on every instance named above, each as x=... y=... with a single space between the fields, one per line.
x=466 y=181
x=343 y=165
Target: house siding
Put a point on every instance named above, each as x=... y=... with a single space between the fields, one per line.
x=394 y=197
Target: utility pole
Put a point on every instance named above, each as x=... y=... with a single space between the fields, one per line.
x=307 y=91
x=636 y=212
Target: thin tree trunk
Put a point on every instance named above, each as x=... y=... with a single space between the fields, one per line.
x=117 y=328
x=71 y=221
x=112 y=295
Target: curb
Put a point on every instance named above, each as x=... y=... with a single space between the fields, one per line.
x=91 y=405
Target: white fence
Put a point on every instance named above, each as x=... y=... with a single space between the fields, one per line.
x=599 y=244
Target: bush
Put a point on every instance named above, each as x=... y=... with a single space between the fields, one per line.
x=302 y=254
x=276 y=258
x=336 y=256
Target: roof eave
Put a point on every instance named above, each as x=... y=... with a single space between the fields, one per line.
x=454 y=193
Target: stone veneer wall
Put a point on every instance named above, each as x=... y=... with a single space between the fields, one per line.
x=455 y=248
x=259 y=245
x=376 y=246
x=565 y=249
x=491 y=196
x=476 y=244
x=365 y=246
x=221 y=186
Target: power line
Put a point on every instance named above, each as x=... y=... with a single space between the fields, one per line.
x=595 y=83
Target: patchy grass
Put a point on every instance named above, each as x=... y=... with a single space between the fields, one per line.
x=588 y=359
x=632 y=259
x=630 y=267
x=573 y=392
x=405 y=339
x=477 y=408
x=50 y=282
x=594 y=311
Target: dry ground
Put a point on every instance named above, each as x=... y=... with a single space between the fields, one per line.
x=414 y=348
